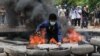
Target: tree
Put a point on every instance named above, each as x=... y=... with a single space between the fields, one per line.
x=58 y=2
x=93 y=4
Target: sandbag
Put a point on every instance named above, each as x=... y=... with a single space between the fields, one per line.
x=95 y=41
x=15 y=50
x=95 y=54
x=36 y=52
x=3 y=54
x=82 y=49
x=58 y=52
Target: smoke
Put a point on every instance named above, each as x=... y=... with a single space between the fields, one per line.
x=44 y=7
x=4 y=1
x=49 y=6
x=38 y=10
x=64 y=25
x=31 y=9
x=21 y=4
x=10 y=13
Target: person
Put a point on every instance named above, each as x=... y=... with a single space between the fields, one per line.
x=97 y=17
x=53 y=29
x=2 y=15
x=78 y=12
x=72 y=16
x=85 y=15
x=62 y=19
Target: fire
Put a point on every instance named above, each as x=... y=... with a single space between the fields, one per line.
x=73 y=37
x=39 y=37
x=36 y=39
x=52 y=40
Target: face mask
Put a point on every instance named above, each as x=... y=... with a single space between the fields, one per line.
x=52 y=23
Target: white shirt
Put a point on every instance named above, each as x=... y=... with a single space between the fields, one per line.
x=72 y=14
x=61 y=12
x=78 y=11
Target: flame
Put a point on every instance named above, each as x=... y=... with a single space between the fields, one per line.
x=36 y=40
x=73 y=37
x=65 y=40
x=52 y=40
x=43 y=32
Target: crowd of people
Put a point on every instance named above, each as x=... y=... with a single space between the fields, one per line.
x=80 y=16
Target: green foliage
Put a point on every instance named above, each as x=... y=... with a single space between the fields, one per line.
x=73 y=2
x=92 y=3
x=58 y=2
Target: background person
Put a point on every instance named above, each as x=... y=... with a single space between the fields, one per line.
x=85 y=15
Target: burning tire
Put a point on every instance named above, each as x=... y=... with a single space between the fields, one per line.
x=82 y=49
x=10 y=52
x=15 y=51
x=58 y=52
x=95 y=41
x=3 y=54
x=36 y=52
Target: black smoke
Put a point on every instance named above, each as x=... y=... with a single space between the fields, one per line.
x=30 y=8
x=34 y=12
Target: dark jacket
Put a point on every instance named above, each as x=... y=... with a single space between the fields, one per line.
x=85 y=14
x=97 y=14
x=52 y=31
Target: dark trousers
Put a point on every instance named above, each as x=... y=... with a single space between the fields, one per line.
x=49 y=36
x=2 y=19
x=73 y=22
x=84 y=22
x=77 y=21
